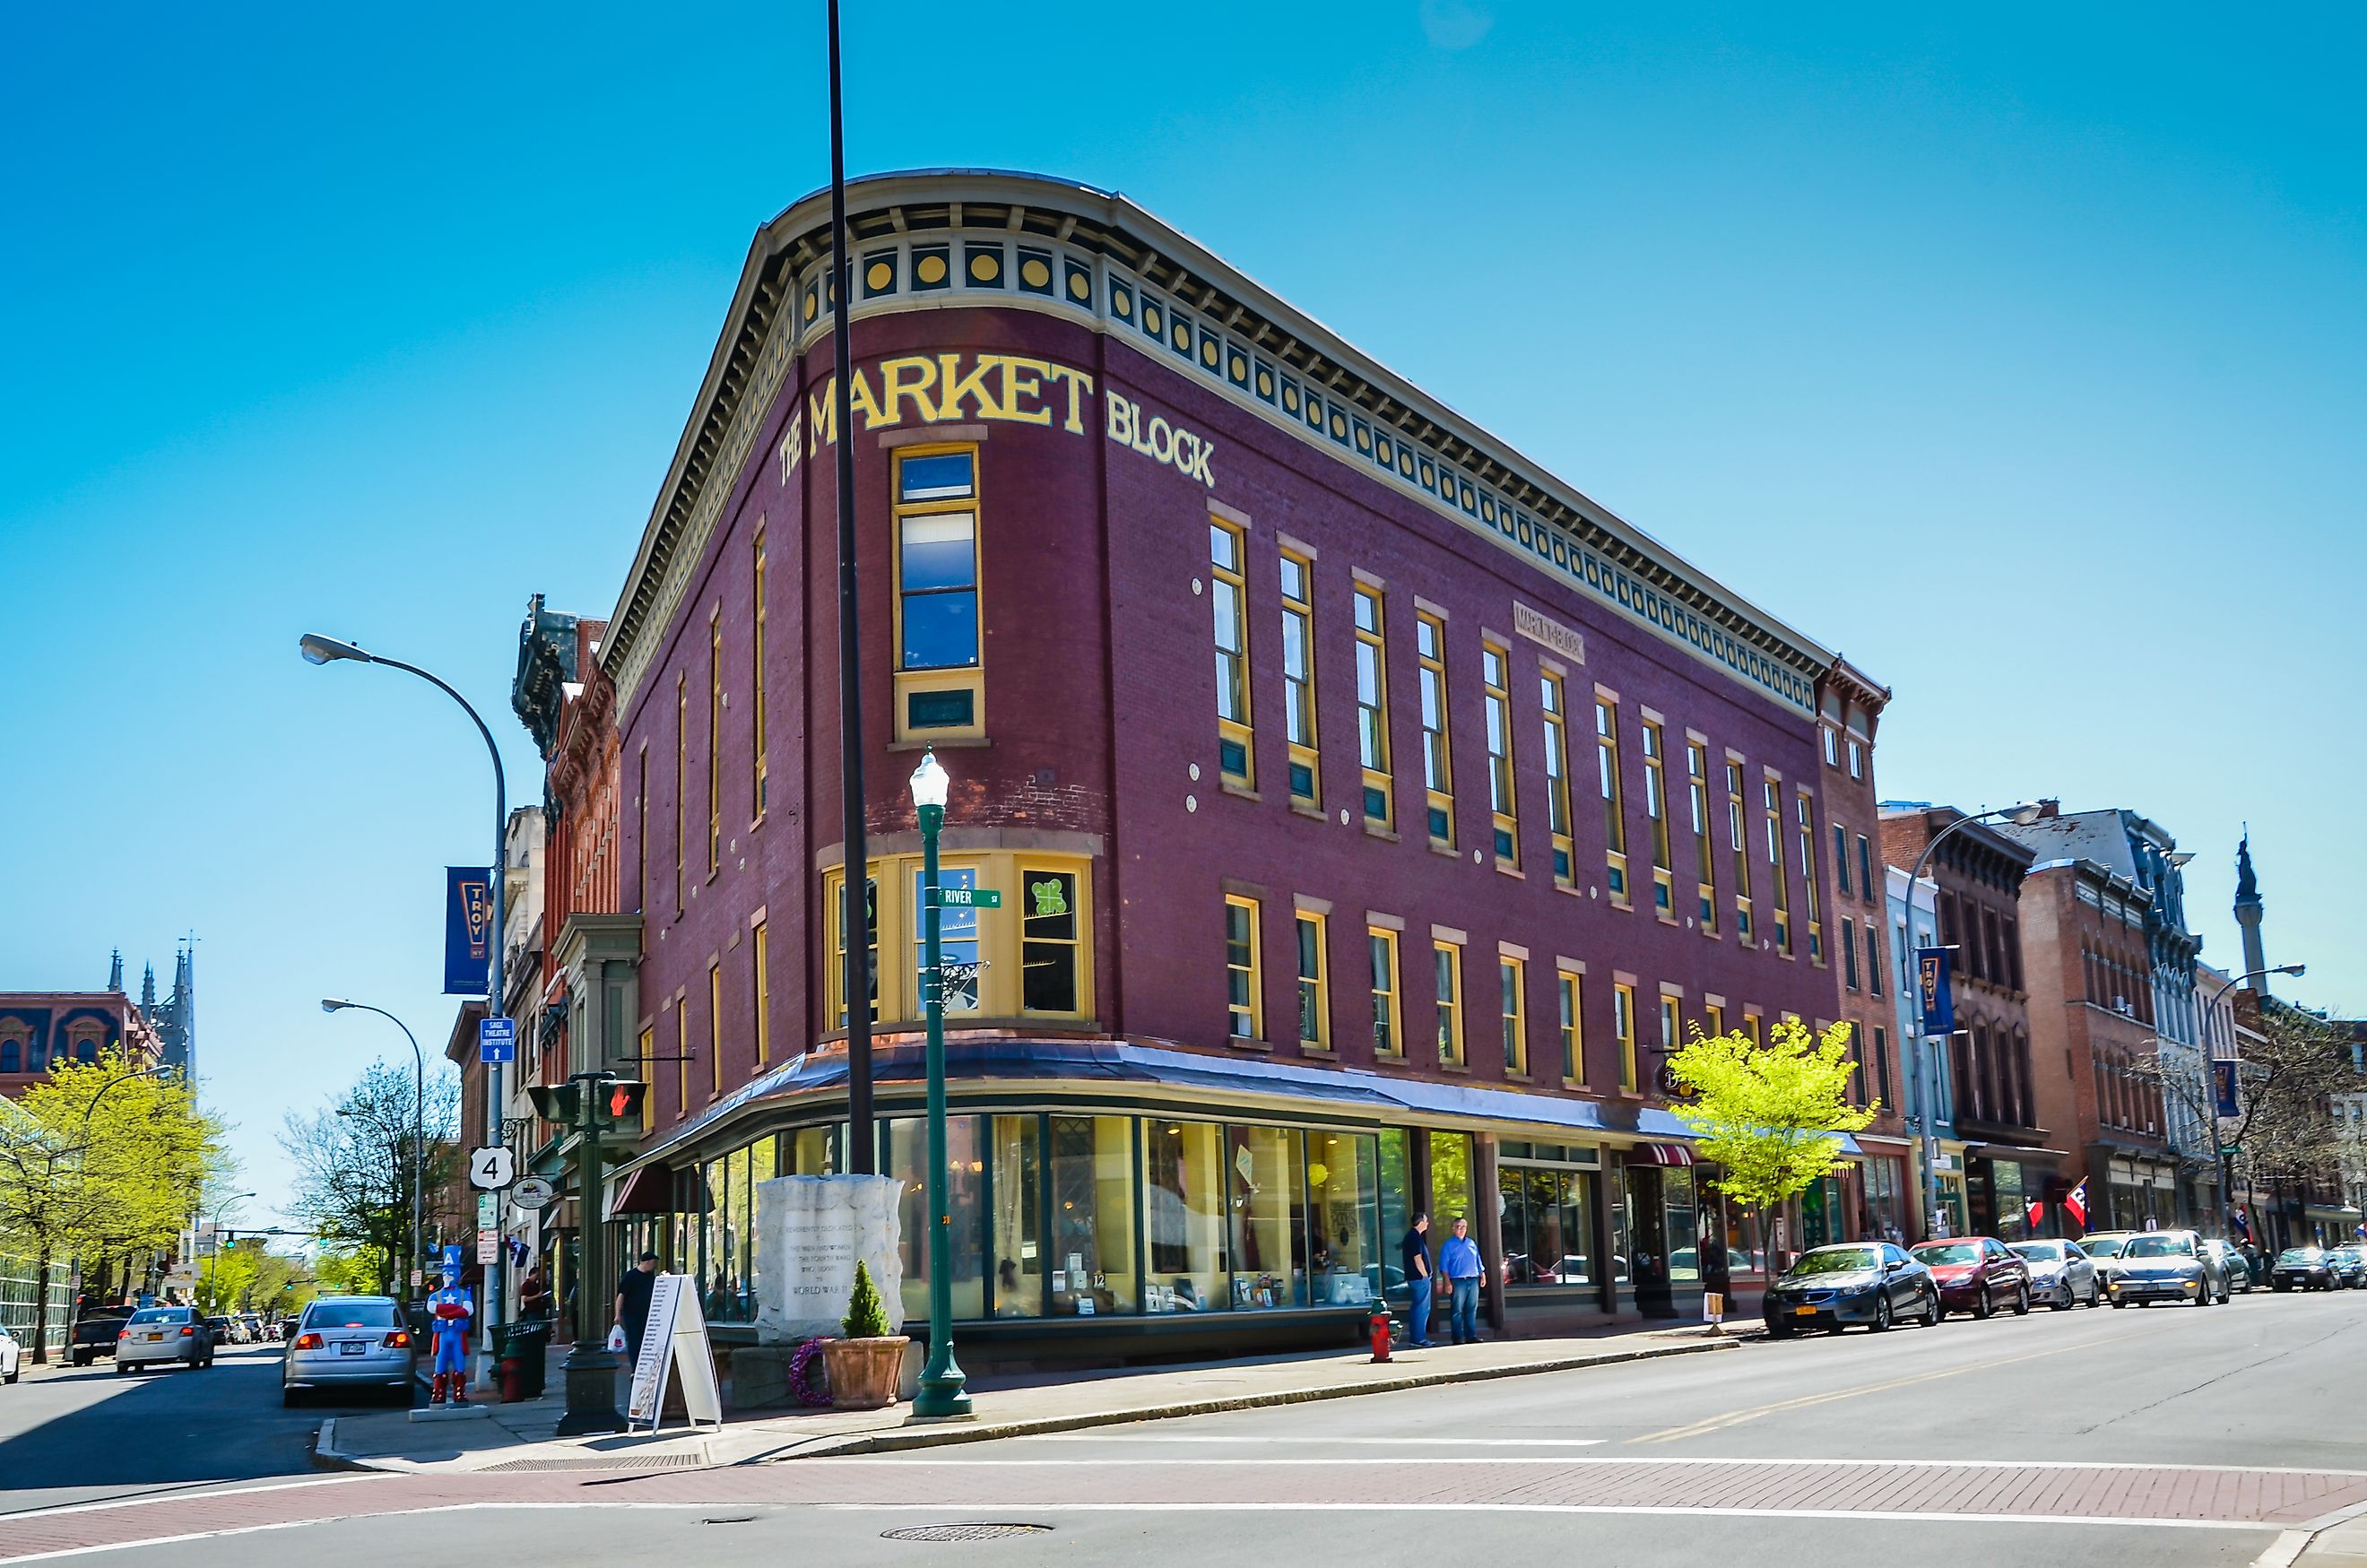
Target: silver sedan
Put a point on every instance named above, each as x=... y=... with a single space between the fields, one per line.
x=2061 y=1274
x=356 y=1342
x=155 y=1336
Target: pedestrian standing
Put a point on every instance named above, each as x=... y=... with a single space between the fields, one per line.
x=1416 y=1248
x=633 y=1302
x=1458 y=1259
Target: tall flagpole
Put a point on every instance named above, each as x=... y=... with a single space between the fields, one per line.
x=861 y=1151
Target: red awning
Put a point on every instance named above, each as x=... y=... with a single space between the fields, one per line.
x=1659 y=1154
x=649 y=1191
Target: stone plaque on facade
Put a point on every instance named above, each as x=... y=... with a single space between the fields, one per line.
x=809 y=1232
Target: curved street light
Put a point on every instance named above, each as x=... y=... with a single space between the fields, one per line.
x=2219 y=1149
x=418 y=1126
x=319 y=649
x=2021 y=815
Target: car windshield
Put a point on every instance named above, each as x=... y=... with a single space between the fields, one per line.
x=350 y=1315
x=161 y=1314
x=2298 y=1255
x=2041 y=1251
x=1839 y=1260
x=2103 y=1245
x=1949 y=1252
x=2160 y=1247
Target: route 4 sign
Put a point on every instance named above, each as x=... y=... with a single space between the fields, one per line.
x=493 y=1167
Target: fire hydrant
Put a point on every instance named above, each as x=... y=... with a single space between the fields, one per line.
x=513 y=1380
x=1381 y=1336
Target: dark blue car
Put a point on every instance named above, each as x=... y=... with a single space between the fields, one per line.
x=1869 y=1282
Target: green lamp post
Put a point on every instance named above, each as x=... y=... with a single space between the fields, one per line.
x=942 y=1391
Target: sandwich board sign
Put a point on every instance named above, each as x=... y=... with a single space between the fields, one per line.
x=674 y=1338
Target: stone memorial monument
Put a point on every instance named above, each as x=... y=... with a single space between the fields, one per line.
x=810 y=1231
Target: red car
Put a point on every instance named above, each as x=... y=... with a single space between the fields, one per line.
x=1977 y=1274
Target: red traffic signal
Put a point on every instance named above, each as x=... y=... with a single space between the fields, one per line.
x=620 y=1098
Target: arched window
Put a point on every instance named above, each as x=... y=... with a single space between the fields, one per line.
x=9 y=1056
x=86 y=1051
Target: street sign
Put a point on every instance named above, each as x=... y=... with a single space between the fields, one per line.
x=489 y=1247
x=493 y=1167
x=969 y=897
x=497 y=1040
x=531 y=1192
x=489 y=1210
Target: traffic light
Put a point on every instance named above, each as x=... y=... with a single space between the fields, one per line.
x=556 y=1102
x=620 y=1099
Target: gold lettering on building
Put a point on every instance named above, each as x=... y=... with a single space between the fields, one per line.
x=941 y=389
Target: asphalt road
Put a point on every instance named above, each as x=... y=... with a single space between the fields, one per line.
x=77 y=1435
x=2162 y=1435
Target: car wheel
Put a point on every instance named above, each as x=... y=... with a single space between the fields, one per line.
x=121 y=1368
x=2069 y=1301
x=2202 y=1296
x=81 y=1360
x=1931 y=1309
x=2021 y=1301
x=1881 y=1312
x=1983 y=1307
x=2118 y=1303
x=1778 y=1331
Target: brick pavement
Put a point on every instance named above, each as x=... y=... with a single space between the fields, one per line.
x=2005 y=1491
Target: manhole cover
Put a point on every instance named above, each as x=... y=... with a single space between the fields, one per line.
x=601 y=1461
x=960 y=1532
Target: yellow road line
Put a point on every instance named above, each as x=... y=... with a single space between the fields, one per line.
x=1736 y=1418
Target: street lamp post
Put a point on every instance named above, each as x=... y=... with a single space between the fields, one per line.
x=1928 y=1045
x=2219 y=1149
x=319 y=649
x=942 y=1383
x=418 y=1129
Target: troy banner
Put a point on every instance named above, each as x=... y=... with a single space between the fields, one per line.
x=1933 y=993
x=467 y=930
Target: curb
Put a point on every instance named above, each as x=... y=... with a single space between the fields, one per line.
x=938 y=1436
x=326 y=1455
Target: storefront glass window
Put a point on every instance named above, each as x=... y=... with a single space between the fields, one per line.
x=1183 y=1216
x=956 y=942
x=763 y=1163
x=1017 y=1211
x=818 y=1151
x=1269 y=1231
x=1548 y=1225
x=1396 y=1204
x=708 y=1270
x=1886 y=1211
x=907 y=1140
x=1745 y=1247
x=1092 y=1216
x=1342 y=1172
x=2012 y=1212
x=1677 y=1198
x=1450 y=1185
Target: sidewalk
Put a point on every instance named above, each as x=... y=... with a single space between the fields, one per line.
x=522 y=1437
x=2342 y=1546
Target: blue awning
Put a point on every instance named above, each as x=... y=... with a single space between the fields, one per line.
x=1382 y=1096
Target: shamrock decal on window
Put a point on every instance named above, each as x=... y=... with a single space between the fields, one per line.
x=1050 y=895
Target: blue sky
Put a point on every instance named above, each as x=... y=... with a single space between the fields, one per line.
x=2016 y=356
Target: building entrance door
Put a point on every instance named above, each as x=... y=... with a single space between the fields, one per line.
x=1647 y=1241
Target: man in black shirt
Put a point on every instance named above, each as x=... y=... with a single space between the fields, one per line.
x=633 y=1301
x=1416 y=1249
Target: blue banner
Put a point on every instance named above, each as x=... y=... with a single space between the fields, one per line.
x=2223 y=1087
x=1934 y=992
x=467 y=930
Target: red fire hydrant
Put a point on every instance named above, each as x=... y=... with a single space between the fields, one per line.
x=1381 y=1336
x=513 y=1380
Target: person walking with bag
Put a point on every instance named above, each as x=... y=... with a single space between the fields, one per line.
x=1419 y=1285
x=1458 y=1259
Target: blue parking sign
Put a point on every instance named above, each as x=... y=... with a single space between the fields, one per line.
x=497 y=1040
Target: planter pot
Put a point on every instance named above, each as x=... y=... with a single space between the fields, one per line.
x=863 y=1372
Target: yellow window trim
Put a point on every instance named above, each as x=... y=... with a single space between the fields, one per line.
x=973 y=678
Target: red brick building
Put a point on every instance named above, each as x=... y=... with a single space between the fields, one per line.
x=2010 y=1160
x=2090 y=1000
x=39 y=1029
x=1372 y=807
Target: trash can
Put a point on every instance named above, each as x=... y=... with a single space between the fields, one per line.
x=525 y=1344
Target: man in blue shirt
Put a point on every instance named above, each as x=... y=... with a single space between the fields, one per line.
x=1458 y=1259
x=1419 y=1284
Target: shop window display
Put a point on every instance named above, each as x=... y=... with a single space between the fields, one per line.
x=1018 y=1204
x=1548 y=1226
x=1344 y=1262
x=1269 y=1230
x=1450 y=1183
x=1092 y=1216
x=906 y=1151
x=1185 y=1216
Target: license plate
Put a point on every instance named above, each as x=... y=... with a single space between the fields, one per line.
x=351 y=1347
x=1804 y=1312
x=155 y=1339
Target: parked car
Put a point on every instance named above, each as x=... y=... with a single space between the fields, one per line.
x=220 y=1327
x=251 y=1323
x=2350 y=1265
x=2168 y=1266
x=2061 y=1273
x=1873 y=1283
x=2303 y=1269
x=359 y=1342
x=155 y=1336
x=12 y=1357
x=1977 y=1274
x=94 y=1336
x=2238 y=1268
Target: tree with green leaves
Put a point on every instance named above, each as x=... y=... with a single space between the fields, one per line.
x=224 y=1279
x=355 y=1168
x=1769 y=1116
x=101 y=1162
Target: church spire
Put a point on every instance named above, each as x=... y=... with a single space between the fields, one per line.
x=115 y=971
x=148 y=994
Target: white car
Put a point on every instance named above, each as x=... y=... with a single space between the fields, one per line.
x=12 y=1357
x=2061 y=1274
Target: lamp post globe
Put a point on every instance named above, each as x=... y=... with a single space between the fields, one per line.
x=942 y=1391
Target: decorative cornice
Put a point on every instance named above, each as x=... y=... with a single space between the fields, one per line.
x=961 y=237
